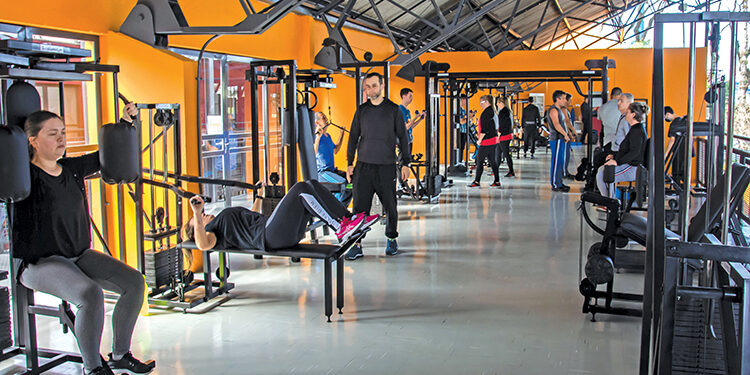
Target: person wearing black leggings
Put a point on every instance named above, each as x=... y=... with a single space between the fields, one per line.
x=487 y=141
x=505 y=128
x=242 y=228
x=52 y=240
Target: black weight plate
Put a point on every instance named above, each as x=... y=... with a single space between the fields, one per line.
x=600 y=269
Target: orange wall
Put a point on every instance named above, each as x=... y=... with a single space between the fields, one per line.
x=150 y=75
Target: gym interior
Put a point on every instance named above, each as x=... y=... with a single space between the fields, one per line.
x=172 y=115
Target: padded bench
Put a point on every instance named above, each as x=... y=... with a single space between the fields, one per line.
x=327 y=253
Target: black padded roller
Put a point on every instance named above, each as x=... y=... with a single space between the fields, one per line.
x=14 y=164
x=119 y=153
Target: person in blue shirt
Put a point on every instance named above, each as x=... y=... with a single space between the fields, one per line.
x=407 y=96
x=463 y=127
x=325 y=148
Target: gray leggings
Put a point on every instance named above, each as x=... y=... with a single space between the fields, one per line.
x=623 y=173
x=80 y=282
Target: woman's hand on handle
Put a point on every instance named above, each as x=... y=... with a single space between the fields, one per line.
x=129 y=112
x=196 y=203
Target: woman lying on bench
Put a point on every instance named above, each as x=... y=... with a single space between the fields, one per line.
x=240 y=228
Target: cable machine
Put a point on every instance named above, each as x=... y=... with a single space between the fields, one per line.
x=678 y=315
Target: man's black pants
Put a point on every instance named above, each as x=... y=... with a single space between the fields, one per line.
x=377 y=179
x=529 y=139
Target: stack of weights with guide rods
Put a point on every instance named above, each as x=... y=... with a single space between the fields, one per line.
x=272 y=195
x=119 y=156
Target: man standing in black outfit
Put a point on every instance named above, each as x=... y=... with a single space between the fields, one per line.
x=377 y=125
x=531 y=121
x=586 y=118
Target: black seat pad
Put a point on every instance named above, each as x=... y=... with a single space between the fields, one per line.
x=635 y=227
x=300 y=251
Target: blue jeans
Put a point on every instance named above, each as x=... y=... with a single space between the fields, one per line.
x=558 y=162
x=335 y=178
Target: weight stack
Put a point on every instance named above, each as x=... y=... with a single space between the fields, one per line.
x=162 y=267
x=6 y=340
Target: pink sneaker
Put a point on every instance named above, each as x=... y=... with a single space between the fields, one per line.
x=349 y=225
x=370 y=220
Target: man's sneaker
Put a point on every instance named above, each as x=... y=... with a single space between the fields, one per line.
x=510 y=174
x=564 y=188
x=370 y=220
x=474 y=184
x=354 y=253
x=495 y=184
x=532 y=156
x=130 y=363
x=349 y=225
x=392 y=247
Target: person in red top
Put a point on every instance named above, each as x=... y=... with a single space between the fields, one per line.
x=487 y=141
x=505 y=127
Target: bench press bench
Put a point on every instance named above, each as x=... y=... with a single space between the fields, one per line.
x=327 y=253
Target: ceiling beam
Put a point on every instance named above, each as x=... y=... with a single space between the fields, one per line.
x=546 y=25
x=455 y=28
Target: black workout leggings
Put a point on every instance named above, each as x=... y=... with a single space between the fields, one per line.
x=462 y=142
x=529 y=139
x=288 y=222
x=489 y=153
x=503 y=152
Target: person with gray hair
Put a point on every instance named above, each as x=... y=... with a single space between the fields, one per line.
x=622 y=125
x=610 y=116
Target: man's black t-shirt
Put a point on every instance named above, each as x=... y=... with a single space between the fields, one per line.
x=531 y=118
x=53 y=219
x=238 y=228
x=375 y=131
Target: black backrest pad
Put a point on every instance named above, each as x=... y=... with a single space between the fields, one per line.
x=22 y=100
x=306 y=143
x=710 y=212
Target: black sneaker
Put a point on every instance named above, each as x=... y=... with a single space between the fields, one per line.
x=101 y=370
x=354 y=253
x=130 y=363
x=391 y=247
x=495 y=184
x=555 y=188
x=474 y=184
x=564 y=188
x=510 y=174
x=532 y=156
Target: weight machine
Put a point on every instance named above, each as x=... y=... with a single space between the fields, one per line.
x=22 y=60
x=678 y=314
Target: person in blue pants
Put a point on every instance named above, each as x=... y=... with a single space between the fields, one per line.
x=570 y=120
x=557 y=138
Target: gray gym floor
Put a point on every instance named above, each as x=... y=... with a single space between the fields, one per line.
x=487 y=284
